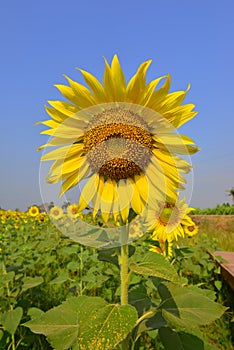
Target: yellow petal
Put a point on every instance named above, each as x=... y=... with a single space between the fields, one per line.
x=63 y=152
x=137 y=203
x=70 y=182
x=83 y=97
x=88 y=192
x=97 y=198
x=137 y=83
x=124 y=192
x=108 y=83
x=55 y=114
x=159 y=95
x=67 y=92
x=95 y=85
x=124 y=213
x=180 y=115
x=118 y=79
x=142 y=186
x=57 y=141
x=51 y=123
x=107 y=195
x=149 y=91
x=64 y=107
x=67 y=132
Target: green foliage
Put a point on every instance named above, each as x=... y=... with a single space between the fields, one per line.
x=223 y=209
x=88 y=322
x=152 y=264
x=57 y=294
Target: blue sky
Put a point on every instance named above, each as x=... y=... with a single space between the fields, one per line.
x=191 y=40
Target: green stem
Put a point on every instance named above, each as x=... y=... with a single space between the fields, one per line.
x=13 y=341
x=124 y=275
x=81 y=269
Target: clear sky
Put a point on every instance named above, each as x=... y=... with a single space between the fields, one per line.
x=191 y=40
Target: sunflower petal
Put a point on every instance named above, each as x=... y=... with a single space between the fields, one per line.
x=137 y=83
x=65 y=108
x=94 y=85
x=63 y=152
x=88 y=192
x=108 y=83
x=70 y=182
x=107 y=195
x=83 y=97
x=118 y=78
x=137 y=203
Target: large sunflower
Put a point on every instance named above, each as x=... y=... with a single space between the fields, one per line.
x=168 y=222
x=121 y=138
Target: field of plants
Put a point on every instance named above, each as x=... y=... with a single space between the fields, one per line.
x=223 y=209
x=41 y=269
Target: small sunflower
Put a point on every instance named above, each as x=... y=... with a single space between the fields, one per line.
x=42 y=217
x=56 y=212
x=73 y=211
x=33 y=211
x=168 y=221
x=191 y=230
x=163 y=247
x=121 y=138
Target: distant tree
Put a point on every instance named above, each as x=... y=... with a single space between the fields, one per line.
x=231 y=193
x=65 y=205
x=50 y=205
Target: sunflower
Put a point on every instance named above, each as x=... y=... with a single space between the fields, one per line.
x=121 y=138
x=191 y=230
x=33 y=211
x=169 y=220
x=42 y=217
x=73 y=211
x=163 y=247
x=56 y=212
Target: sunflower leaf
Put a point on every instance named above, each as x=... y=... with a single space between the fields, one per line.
x=182 y=307
x=85 y=323
x=179 y=340
x=11 y=319
x=154 y=264
x=31 y=282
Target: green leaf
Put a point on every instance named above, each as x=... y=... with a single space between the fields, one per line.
x=154 y=264
x=210 y=347
x=11 y=319
x=31 y=282
x=63 y=277
x=206 y=292
x=7 y=278
x=218 y=285
x=34 y=312
x=179 y=340
x=109 y=255
x=87 y=321
x=184 y=252
x=139 y=299
x=182 y=306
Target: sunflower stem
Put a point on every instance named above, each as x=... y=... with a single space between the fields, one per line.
x=124 y=275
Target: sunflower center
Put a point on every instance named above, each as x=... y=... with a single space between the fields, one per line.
x=165 y=215
x=191 y=228
x=118 y=144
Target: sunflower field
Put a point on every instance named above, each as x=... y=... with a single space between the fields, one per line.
x=46 y=275
x=111 y=271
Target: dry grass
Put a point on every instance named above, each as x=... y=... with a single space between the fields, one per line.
x=219 y=227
